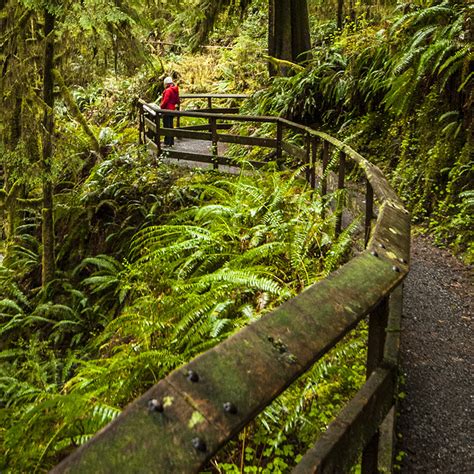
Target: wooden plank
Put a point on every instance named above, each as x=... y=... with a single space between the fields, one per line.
x=180 y=133
x=203 y=127
x=151 y=144
x=235 y=118
x=150 y=124
x=340 y=197
x=188 y=156
x=247 y=370
x=255 y=141
x=296 y=127
x=338 y=447
x=218 y=110
x=149 y=110
x=393 y=330
x=220 y=126
x=391 y=236
x=293 y=150
x=214 y=96
x=387 y=443
x=369 y=211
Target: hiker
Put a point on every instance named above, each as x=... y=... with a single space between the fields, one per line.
x=169 y=101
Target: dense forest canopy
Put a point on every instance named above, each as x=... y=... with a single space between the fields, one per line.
x=117 y=268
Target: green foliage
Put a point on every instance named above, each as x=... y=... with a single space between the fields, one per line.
x=401 y=93
x=156 y=264
x=168 y=267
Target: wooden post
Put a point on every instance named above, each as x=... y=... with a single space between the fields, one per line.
x=340 y=187
x=308 y=158
x=369 y=210
x=279 y=138
x=324 y=178
x=214 y=139
x=158 y=133
x=378 y=319
x=314 y=153
x=141 y=130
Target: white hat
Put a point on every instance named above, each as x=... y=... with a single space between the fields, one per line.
x=168 y=80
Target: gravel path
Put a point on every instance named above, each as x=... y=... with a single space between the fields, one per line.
x=437 y=359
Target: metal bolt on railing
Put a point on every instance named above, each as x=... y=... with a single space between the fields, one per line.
x=229 y=407
x=199 y=444
x=193 y=376
x=155 y=405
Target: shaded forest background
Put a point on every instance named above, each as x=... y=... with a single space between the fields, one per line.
x=97 y=245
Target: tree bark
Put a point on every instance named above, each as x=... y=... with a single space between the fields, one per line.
x=48 y=258
x=288 y=33
x=340 y=8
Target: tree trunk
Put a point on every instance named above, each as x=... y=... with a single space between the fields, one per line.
x=48 y=259
x=12 y=143
x=340 y=8
x=300 y=37
x=288 y=33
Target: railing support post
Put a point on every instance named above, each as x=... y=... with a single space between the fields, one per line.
x=324 y=178
x=314 y=153
x=279 y=138
x=141 y=128
x=340 y=186
x=378 y=320
x=158 y=133
x=369 y=211
x=308 y=143
x=214 y=139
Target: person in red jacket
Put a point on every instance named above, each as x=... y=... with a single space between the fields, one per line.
x=169 y=101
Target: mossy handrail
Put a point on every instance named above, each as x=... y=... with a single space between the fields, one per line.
x=183 y=420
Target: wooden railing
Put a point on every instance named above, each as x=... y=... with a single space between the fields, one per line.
x=182 y=421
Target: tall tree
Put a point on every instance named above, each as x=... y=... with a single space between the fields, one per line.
x=288 y=32
x=340 y=8
x=288 y=28
x=48 y=259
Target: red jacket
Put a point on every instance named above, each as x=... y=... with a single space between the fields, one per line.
x=170 y=98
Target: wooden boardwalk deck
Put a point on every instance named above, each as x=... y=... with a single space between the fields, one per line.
x=197 y=146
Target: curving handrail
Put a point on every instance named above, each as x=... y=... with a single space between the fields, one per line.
x=189 y=415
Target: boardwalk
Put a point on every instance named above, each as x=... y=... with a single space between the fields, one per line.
x=197 y=146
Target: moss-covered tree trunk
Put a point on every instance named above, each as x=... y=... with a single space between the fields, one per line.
x=48 y=259
x=288 y=32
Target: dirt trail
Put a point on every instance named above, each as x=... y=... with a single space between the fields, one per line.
x=437 y=359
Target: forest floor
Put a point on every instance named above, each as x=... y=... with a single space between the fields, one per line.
x=436 y=420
